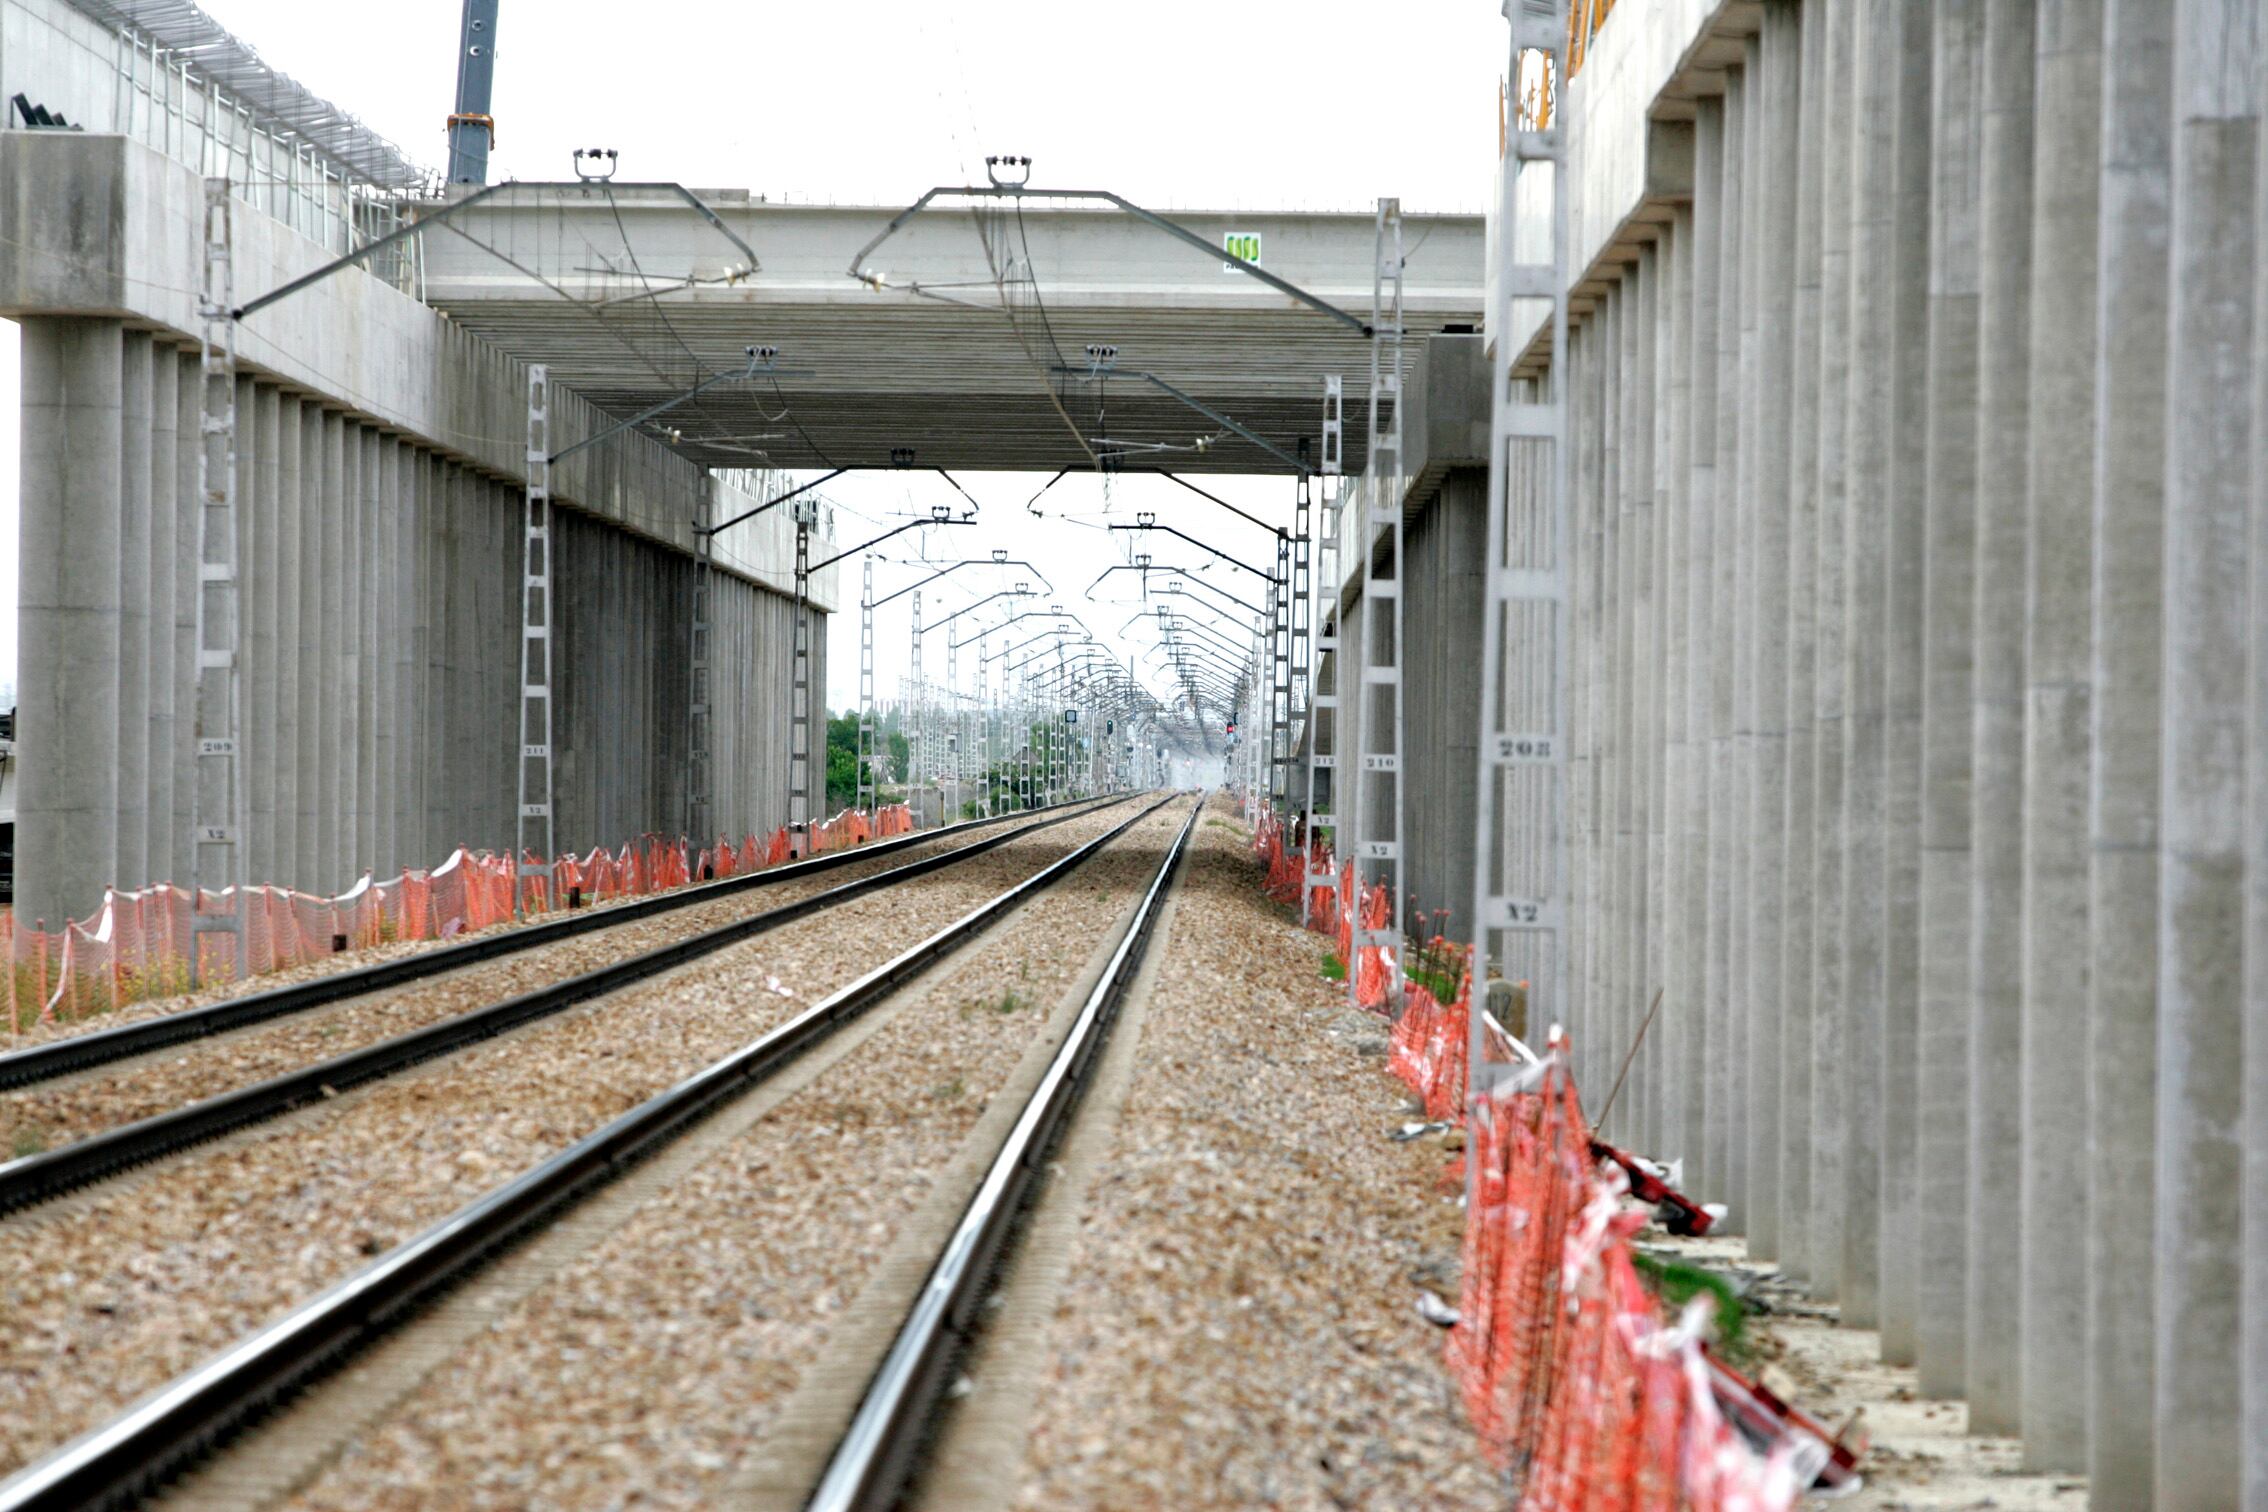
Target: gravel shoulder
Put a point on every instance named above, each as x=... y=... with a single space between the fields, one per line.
x=1236 y=1326
x=113 y=1291
x=650 y=1367
x=68 y=1109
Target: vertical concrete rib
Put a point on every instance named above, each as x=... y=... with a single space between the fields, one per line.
x=1996 y=832
x=67 y=616
x=158 y=584
x=1704 y=964
x=1608 y=693
x=1737 y=416
x=1830 y=1073
x=2127 y=673
x=1681 y=974
x=1901 y=686
x=1796 y=903
x=284 y=438
x=1777 y=104
x=1728 y=851
x=1948 y=713
x=2200 y=901
x=130 y=740
x=2058 y=720
x=1647 y=651
x=257 y=418
x=308 y=632
x=367 y=660
x=1652 y=655
x=1745 y=186
x=1872 y=398
x=385 y=717
x=2253 y=1366
x=188 y=394
x=328 y=627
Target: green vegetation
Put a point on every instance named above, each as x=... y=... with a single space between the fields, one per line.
x=28 y=1141
x=1334 y=969
x=842 y=759
x=1678 y=1283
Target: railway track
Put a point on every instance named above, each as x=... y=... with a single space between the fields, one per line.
x=881 y=1450
x=39 y=1177
x=117 y=1462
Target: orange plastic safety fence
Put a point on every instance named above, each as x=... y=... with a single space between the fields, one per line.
x=136 y=945
x=1572 y=1377
x=1330 y=911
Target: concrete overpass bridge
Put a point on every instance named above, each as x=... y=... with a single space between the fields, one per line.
x=968 y=339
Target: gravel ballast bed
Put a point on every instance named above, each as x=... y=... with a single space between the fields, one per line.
x=1237 y=1326
x=645 y=1371
x=51 y=1115
x=116 y=1290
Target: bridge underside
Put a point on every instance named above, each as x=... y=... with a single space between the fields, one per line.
x=968 y=338
x=960 y=386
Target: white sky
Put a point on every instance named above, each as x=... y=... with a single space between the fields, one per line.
x=1174 y=103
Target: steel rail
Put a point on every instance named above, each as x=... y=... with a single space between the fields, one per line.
x=878 y=1452
x=116 y=1462
x=37 y=1178
x=38 y=1063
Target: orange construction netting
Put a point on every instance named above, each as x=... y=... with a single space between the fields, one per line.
x=1572 y=1376
x=1331 y=909
x=137 y=944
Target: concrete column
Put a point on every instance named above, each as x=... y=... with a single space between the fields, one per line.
x=1830 y=1072
x=2004 y=208
x=309 y=632
x=1681 y=974
x=1901 y=695
x=1796 y=901
x=1734 y=543
x=285 y=439
x=409 y=846
x=425 y=845
x=1608 y=696
x=2127 y=675
x=1704 y=966
x=257 y=411
x=1728 y=851
x=2058 y=732
x=1948 y=712
x=1646 y=656
x=385 y=713
x=158 y=581
x=2253 y=1368
x=1871 y=398
x=370 y=504
x=1738 y=465
x=346 y=625
x=1777 y=102
x=330 y=629
x=188 y=393
x=131 y=744
x=67 y=617
x=2200 y=902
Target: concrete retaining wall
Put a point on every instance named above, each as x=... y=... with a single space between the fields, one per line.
x=380 y=460
x=1920 y=714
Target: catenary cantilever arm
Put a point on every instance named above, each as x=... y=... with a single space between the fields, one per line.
x=364 y=253
x=1179 y=233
